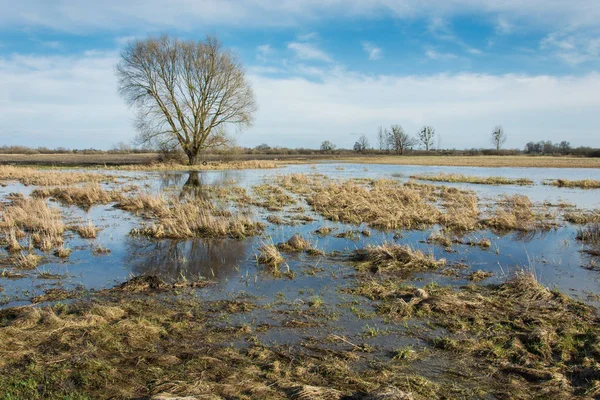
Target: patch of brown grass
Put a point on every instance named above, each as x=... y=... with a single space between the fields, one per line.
x=481 y=161
x=460 y=178
x=27 y=261
x=84 y=196
x=269 y=255
x=32 y=176
x=189 y=217
x=295 y=243
x=512 y=213
x=582 y=217
x=391 y=257
x=273 y=198
x=26 y=218
x=581 y=184
x=87 y=231
x=589 y=234
x=210 y=166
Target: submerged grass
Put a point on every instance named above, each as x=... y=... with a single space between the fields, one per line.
x=492 y=180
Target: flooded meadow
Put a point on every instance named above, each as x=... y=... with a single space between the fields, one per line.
x=306 y=281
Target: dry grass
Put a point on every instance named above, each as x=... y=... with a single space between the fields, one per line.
x=391 y=257
x=32 y=176
x=479 y=275
x=537 y=343
x=582 y=217
x=589 y=234
x=210 y=166
x=492 y=180
x=512 y=213
x=323 y=231
x=481 y=161
x=62 y=252
x=273 y=198
x=33 y=221
x=27 y=261
x=84 y=196
x=87 y=231
x=189 y=217
x=269 y=255
x=515 y=340
x=388 y=205
x=295 y=243
x=582 y=184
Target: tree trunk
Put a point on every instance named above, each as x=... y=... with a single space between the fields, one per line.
x=192 y=157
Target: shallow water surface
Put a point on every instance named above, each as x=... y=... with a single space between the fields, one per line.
x=554 y=256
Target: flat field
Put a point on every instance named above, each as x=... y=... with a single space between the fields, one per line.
x=258 y=279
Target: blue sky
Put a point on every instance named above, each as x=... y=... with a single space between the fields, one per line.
x=328 y=69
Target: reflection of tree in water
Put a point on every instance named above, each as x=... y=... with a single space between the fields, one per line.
x=194 y=258
x=197 y=180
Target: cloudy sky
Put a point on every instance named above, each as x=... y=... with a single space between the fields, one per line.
x=321 y=69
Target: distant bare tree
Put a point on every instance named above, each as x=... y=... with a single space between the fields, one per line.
x=426 y=135
x=564 y=147
x=186 y=92
x=498 y=137
x=399 y=140
x=382 y=139
x=327 y=146
x=363 y=143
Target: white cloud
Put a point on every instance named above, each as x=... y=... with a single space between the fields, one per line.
x=62 y=101
x=571 y=48
x=307 y=51
x=434 y=55
x=372 y=50
x=440 y=29
x=73 y=102
x=263 y=52
x=308 y=36
x=503 y=27
x=83 y=15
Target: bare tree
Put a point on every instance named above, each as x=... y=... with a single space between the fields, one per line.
x=426 y=135
x=363 y=142
x=498 y=137
x=186 y=93
x=327 y=146
x=382 y=139
x=564 y=147
x=399 y=140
